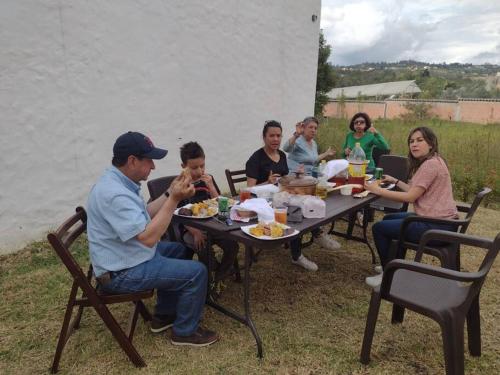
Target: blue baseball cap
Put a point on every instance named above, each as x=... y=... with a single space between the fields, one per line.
x=137 y=144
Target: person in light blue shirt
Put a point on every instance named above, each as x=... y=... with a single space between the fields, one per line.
x=303 y=154
x=302 y=149
x=124 y=242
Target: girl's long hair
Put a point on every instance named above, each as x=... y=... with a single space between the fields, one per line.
x=431 y=140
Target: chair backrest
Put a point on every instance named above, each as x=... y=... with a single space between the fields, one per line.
x=158 y=186
x=62 y=239
x=234 y=177
x=395 y=166
x=492 y=247
x=377 y=153
x=473 y=207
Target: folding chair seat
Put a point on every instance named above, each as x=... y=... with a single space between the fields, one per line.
x=448 y=297
x=61 y=240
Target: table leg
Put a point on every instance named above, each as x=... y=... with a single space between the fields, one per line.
x=246 y=319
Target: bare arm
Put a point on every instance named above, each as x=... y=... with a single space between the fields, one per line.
x=409 y=196
x=328 y=153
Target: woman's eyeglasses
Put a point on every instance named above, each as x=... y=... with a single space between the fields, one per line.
x=359 y=122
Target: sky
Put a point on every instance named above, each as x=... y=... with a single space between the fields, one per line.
x=464 y=31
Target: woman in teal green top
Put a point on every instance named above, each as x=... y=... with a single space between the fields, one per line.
x=364 y=133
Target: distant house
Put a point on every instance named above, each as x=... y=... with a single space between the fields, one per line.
x=405 y=89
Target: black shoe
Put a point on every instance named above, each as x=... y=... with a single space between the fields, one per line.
x=161 y=323
x=201 y=337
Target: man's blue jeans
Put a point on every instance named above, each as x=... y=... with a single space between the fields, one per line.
x=388 y=229
x=181 y=285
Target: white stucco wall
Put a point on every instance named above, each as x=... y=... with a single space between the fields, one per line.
x=76 y=74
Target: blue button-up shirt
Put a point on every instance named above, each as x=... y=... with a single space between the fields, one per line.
x=116 y=214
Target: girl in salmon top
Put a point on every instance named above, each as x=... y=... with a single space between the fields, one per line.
x=429 y=190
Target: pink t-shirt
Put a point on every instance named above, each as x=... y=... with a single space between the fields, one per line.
x=437 y=200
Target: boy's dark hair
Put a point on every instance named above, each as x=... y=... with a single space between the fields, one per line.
x=191 y=150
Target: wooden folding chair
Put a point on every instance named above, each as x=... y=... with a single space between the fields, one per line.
x=61 y=240
x=234 y=177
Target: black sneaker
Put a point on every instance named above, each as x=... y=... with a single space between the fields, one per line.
x=201 y=337
x=161 y=323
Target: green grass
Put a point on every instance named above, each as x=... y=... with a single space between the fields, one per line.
x=471 y=150
x=310 y=323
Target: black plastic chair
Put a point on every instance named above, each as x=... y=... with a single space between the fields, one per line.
x=448 y=254
x=449 y=297
x=397 y=167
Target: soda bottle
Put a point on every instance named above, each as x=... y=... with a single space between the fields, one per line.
x=357 y=167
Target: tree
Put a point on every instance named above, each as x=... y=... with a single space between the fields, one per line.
x=325 y=79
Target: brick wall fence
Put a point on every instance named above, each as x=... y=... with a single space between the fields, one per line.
x=482 y=111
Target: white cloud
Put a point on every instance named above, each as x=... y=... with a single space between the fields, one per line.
x=432 y=31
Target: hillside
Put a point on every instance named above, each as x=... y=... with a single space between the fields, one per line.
x=437 y=81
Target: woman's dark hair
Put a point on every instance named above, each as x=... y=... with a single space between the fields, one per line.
x=271 y=124
x=191 y=150
x=431 y=140
x=309 y=119
x=368 y=121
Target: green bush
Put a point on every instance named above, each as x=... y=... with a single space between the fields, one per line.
x=471 y=150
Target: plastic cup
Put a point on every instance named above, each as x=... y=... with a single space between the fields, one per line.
x=280 y=214
x=244 y=195
x=346 y=190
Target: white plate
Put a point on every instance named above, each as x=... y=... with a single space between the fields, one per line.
x=176 y=212
x=246 y=229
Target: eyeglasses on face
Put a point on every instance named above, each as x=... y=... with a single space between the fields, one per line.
x=359 y=122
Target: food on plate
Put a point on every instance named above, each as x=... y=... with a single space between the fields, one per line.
x=245 y=213
x=274 y=230
x=203 y=209
x=185 y=211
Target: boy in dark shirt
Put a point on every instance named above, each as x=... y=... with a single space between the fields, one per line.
x=193 y=160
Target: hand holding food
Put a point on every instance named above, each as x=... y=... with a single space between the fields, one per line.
x=372 y=129
x=207 y=179
x=347 y=151
x=182 y=188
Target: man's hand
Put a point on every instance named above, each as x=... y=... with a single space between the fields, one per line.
x=181 y=188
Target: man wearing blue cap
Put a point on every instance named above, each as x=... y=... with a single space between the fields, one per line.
x=125 y=248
